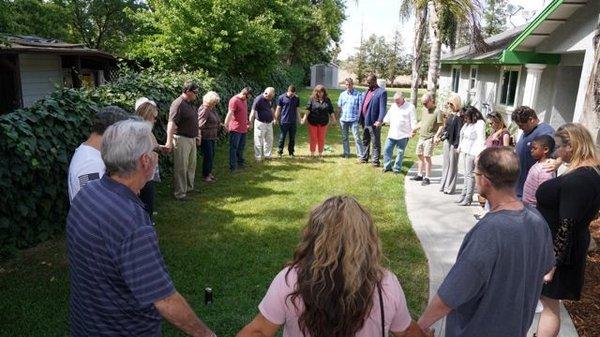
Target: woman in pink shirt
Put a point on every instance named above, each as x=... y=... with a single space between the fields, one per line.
x=335 y=285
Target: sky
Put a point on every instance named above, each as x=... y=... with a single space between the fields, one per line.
x=381 y=17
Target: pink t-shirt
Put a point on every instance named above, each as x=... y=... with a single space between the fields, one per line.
x=278 y=309
x=239 y=122
x=535 y=177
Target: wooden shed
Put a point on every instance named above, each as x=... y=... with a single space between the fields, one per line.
x=32 y=67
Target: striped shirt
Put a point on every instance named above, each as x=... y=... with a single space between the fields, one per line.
x=349 y=103
x=535 y=177
x=116 y=269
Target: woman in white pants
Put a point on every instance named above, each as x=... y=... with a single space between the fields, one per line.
x=472 y=142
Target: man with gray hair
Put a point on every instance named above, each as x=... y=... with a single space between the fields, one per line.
x=262 y=117
x=493 y=288
x=431 y=127
x=119 y=285
x=402 y=119
x=86 y=164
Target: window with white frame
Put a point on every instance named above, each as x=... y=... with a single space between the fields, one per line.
x=455 y=78
x=509 y=80
x=473 y=74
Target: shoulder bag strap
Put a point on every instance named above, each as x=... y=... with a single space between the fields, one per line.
x=381 y=309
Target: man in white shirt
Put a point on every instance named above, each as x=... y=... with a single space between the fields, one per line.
x=86 y=164
x=402 y=119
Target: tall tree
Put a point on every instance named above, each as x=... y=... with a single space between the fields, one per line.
x=418 y=8
x=34 y=17
x=591 y=107
x=103 y=24
x=238 y=36
x=495 y=15
x=461 y=10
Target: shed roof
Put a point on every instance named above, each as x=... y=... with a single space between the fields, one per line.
x=35 y=44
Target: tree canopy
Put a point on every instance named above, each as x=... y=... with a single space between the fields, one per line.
x=237 y=36
x=247 y=37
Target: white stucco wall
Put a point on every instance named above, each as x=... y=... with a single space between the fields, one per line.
x=565 y=95
x=576 y=35
x=40 y=74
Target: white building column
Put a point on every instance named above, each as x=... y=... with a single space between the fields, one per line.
x=532 y=85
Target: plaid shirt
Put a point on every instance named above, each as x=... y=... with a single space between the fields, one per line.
x=350 y=103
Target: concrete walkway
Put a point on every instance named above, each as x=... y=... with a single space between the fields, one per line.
x=441 y=226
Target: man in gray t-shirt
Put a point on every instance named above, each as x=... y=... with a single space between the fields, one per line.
x=493 y=288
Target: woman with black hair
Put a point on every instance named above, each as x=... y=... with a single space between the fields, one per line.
x=472 y=142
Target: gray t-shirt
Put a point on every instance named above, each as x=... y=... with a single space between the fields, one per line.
x=497 y=279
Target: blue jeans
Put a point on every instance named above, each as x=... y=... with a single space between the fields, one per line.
x=237 y=142
x=345 y=127
x=388 y=151
x=208 y=155
x=284 y=130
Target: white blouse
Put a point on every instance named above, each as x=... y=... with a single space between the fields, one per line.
x=472 y=138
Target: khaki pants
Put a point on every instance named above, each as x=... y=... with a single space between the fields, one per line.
x=263 y=140
x=184 y=165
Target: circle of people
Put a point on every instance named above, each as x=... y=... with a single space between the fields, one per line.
x=531 y=244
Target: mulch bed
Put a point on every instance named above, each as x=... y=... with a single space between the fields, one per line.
x=586 y=312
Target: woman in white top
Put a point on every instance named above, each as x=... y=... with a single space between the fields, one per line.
x=472 y=142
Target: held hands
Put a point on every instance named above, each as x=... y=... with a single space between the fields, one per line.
x=429 y=332
x=377 y=124
x=165 y=149
x=551 y=165
x=548 y=277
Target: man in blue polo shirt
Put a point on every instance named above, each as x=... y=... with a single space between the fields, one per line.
x=119 y=284
x=527 y=120
x=287 y=110
x=349 y=104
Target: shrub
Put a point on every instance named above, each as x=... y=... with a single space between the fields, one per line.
x=38 y=142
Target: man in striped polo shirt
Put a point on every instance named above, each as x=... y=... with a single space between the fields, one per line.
x=119 y=285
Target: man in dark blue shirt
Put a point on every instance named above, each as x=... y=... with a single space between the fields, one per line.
x=119 y=284
x=287 y=110
x=527 y=120
x=262 y=117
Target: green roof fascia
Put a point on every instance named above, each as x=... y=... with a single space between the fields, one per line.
x=534 y=24
x=474 y=62
x=523 y=57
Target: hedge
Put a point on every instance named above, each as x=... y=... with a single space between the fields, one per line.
x=37 y=143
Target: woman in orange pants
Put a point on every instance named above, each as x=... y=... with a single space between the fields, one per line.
x=319 y=108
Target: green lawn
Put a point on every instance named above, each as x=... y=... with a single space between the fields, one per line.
x=234 y=236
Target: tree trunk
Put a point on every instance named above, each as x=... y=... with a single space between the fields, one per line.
x=436 y=49
x=420 y=21
x=591 y=107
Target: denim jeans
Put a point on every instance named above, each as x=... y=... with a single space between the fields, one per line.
x=345 y=127
x=207 y=147
x=388 y=151
x=284 y=130
x=237 y=142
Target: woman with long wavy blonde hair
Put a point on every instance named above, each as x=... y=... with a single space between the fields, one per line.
x=569 y=203
x=335 y=285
